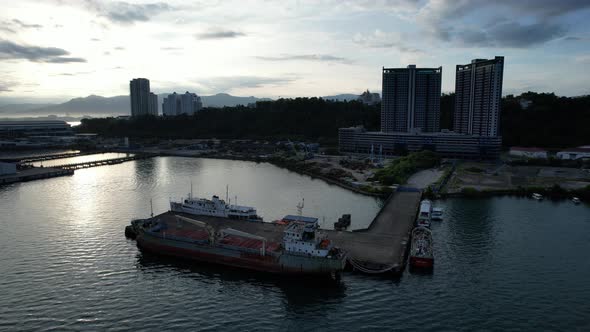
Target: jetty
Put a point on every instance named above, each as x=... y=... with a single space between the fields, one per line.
x=34 y=173
x=103 y=162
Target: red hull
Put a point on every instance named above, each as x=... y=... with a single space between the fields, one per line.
x=245 y=261
x=421 y=262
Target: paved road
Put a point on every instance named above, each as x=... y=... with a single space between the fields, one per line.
x=424 y=178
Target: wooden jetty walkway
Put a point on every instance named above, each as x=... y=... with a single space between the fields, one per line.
x=104 y=162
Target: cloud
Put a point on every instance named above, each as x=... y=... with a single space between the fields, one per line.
x=14 y=25
x=121 y=12
x=380 y=39
x=119 y=48
x=7 y=29
x=171 y=48
x=6 y=86
x=217 y=33
x=94 y=39
x=227 y=84
x=306 y=57
x=10 y=50
x=514 y=24
x=25 y=25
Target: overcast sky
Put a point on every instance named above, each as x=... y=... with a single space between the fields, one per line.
x=58 y=49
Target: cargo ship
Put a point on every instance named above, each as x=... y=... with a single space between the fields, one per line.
x=303 y=249
x=214 y=207
x=421 y=250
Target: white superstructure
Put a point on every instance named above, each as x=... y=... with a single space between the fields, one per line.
x=214 y=207
x=304 y=239
x=425 y=214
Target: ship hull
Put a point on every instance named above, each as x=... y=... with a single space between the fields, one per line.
x=421 y=262
x=279 y=264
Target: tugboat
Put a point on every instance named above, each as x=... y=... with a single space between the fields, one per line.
x=214 y=207
x=421 y=250
x=425 y=214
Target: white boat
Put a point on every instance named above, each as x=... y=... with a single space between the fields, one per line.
x=576 y=200
x=214 y=207
x=437 y=214
x=425 y=214
x=537 y=196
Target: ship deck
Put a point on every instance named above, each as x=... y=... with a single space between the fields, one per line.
x=380 y=247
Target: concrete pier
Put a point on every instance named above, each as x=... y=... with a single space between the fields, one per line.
x=34 y=173
x=381 y=247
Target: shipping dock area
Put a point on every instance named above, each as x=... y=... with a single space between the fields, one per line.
x=380 y=248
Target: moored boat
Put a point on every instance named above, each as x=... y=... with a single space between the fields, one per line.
x=537 y=196
x=576 y=200
x=421 y=249
x=437 y=214
x=425 y=214
x=214 y=207
x=303 y=249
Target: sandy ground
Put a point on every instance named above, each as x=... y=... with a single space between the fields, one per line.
x=499 y=177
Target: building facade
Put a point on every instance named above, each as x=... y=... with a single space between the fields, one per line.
x=153 y=105
x=410 y=100
x=478 y=96
x=139 y=91
x=187 y=103
x=356 y=140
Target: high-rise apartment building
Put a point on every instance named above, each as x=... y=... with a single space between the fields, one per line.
x=139 y=89
x=478 y=94
x=410 y=99
x=187 y=103
x=153 y=105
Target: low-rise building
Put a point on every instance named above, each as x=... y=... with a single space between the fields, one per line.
x=528 y=152
x=356 y=140
x=574 y=153
x=35 y=128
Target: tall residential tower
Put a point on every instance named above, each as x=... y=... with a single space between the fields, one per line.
x=139 y=89
x=410 y=99
x=478 y=94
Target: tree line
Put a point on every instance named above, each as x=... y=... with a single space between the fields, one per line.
x=547 y=121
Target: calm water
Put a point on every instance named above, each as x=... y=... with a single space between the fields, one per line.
x=501 y=263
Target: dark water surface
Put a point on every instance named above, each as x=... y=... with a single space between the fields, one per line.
x=501 y=263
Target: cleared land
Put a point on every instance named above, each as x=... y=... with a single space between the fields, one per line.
x=486 y=176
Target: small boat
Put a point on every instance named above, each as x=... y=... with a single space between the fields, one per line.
x=425 y=214
x=576 y=200
x=437 y=214
x=538 y=197
x=421 y=250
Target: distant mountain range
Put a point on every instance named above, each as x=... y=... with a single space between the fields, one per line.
x=98 y=106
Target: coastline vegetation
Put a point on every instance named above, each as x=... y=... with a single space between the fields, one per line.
x=399 y=170
x=562 y=120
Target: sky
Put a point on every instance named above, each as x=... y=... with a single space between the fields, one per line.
x=53 y=50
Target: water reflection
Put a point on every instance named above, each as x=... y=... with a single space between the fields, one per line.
x=302 y=293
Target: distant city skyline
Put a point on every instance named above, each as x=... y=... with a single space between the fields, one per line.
x=54 y=50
